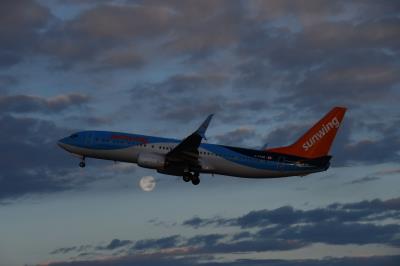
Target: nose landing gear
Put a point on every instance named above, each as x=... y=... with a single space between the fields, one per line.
x=82 y=164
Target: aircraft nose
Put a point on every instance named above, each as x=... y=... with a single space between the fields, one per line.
x=61 y=143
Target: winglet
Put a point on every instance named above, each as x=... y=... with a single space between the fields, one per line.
x=203 y=128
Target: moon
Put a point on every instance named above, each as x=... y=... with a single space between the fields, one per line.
x=147 y=183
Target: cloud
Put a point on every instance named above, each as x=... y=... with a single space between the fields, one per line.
x=34 y=139
x=205 y=240
x=194 y=222
x=343 y=61
x=198 y=29
x=388 y=172
x=161 y=243
x=181 y=97
x=215 y=243
x=283 y=216
x=170 y=27
x=285 y=135
x=275 y=9
x=180 y=85
x=198 y=245
x=193 y=29
x=21 y=22
x=348 y=79
x=375 y=205
x=143 y=259
x=336 y=232
x=120 y=59
x=335 y=224
x=363 y=180
x=62 y=250
x=184 y=97
x=164 y=260
x=376 y=151
x=197 y=222
x=115 y=244
x=137 y=32
x=253 y=245
x=87 y=39
x=289 y=44
x=34 y=163
x=7 y=81
x=173 y=27
x=190 y=83
x=281 y=229
x=32 y=104
x=236 y=137
x=241 y=235
x=8 y=59
x=158 y=222
x=67 y=250
x=383 y=148
x=92 y=120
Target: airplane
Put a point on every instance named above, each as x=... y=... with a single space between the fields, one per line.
x=190 y=157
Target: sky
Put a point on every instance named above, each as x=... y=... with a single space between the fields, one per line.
x=267 y=70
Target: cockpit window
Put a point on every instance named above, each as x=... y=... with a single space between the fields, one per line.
x=73 y=136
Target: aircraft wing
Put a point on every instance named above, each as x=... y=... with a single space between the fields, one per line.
x=187 y=151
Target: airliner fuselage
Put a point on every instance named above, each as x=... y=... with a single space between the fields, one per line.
x=150 y=152
x=190 y=157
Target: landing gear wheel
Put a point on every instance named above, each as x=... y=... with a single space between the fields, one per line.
x=186 y=178
x=82 y=163
x=195 y=180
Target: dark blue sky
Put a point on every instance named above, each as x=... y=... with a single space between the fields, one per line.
x=267 y=69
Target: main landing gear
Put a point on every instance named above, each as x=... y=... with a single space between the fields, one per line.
x=191 y=177
x=82 y=163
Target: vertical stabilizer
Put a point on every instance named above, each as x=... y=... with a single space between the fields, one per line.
x=317 y=141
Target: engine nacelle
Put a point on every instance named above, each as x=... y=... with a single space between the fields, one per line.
x=151 y=160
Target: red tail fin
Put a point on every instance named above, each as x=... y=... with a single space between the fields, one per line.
x=317 y=141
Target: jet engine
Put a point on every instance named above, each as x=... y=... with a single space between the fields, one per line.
x=151 y=160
